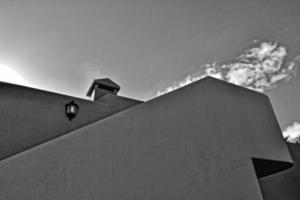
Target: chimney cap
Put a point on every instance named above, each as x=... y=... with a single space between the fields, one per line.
x=105 y=83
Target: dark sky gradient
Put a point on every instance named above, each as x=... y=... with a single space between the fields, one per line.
x=144 y=45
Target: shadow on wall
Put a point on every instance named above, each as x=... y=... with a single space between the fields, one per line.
x=286 y=184
x=30 y=117
x=188 y=144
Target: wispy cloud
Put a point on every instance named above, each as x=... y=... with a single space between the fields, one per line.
x=260 y=68
x=292 y=133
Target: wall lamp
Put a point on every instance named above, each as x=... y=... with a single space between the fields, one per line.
x=71 y=109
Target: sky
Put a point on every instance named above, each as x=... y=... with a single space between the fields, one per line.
x=147 y=46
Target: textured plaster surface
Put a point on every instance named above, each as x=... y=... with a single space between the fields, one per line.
x=286 y=184
x=29 y=117
x=193 y=143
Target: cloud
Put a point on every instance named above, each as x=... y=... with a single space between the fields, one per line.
x=260 y=68
x=292 y=133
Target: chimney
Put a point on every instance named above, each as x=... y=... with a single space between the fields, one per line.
x=101 y=87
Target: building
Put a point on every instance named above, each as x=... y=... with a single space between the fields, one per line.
x=208 y=140
x=30 y=117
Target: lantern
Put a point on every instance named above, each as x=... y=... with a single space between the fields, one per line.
x=71 y=109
